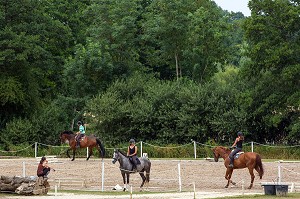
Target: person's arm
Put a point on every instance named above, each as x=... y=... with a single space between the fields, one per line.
x=236 y=140
x=45 y=164
x=40 y=169
x=135 y=151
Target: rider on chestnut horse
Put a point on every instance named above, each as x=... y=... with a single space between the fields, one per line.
x=238 y=143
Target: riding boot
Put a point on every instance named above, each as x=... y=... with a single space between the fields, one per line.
x=231 y=162
x=134 y=167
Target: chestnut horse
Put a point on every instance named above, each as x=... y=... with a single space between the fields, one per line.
x=89 y=141
x=250 y=160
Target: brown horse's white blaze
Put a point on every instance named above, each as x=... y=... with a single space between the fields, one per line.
x=248 y=160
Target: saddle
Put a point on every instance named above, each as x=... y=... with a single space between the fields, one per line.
x=137 y=160
x=237 y=155
x=83 y=139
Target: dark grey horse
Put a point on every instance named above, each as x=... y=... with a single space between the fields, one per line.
x=126 y=167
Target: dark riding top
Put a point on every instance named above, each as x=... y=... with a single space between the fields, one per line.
x=131 y=150
x=239 y=144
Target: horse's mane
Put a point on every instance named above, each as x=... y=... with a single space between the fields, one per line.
x=67 y=132
x=224 y=148
x=123 y=153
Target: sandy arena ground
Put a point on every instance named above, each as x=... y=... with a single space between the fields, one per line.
x=207 y=176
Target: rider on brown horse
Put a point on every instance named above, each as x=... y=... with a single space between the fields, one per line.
x=238 y=143
x=80 y=133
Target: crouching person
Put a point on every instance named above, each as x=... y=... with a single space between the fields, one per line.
x=42 y=186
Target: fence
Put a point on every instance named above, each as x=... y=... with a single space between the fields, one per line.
x=193 y=149
x=172 y=175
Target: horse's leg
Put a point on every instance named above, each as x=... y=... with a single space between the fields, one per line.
x=228 y=176
x=143 y=180
x=127 y=182
x=124 y=181
x=252 y=176
x=68 y=153
x=73 y=155
x=90 y=153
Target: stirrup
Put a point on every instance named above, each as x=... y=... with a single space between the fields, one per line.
x=230 y=165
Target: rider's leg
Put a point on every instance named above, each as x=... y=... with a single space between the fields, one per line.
x=231 y=156
x=78 y=140
x=231 y=160
x=134 y=162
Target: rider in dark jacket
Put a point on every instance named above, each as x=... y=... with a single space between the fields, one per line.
x=238 y=143
x=132 y=152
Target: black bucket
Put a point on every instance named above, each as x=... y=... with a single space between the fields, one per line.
x=269 y=189
x=281 y=190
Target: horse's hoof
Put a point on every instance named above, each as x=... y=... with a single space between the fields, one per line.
x=226 y=186
x=233 y=183
x=249 y=187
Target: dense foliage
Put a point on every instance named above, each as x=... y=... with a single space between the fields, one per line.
x=160 y=71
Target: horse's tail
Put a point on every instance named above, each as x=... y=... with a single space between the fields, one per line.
x=259 y=166
x=148 y=172
x=101 y=147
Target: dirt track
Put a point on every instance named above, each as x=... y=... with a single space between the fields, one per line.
x=207 y=176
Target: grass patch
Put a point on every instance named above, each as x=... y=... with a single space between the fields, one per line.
x=289 y=195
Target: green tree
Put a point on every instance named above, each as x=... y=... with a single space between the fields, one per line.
x=33 y=47
x=272 y=32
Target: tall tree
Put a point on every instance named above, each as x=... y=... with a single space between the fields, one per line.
x=32 y=50
x=183 y=38
x=272 y=32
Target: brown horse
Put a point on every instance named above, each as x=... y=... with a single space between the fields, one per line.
x=90 y=141
x=250 y=160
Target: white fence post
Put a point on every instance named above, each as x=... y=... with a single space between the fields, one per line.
x=35 y=149
x=55 y=190
x=279 y=172
x=141 y=148
x=179 y=177
x=252 y=148
x=24 y=170
x=102 y=182
x=195 y=149
x=87 y=152
x=194 y=190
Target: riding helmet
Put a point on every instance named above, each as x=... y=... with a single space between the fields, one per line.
x=131 y=141
x=79 y=123
x=240 y=133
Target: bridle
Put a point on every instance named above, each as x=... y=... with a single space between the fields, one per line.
x=116 y=157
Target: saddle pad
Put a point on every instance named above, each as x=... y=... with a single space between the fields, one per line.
x=237 y=155
x=84 y=140
x=138 y=161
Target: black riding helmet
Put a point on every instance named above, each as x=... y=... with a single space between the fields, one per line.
x=131 y=141
x=79 y=123
x=240 y=133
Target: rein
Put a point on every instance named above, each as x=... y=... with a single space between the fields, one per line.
x=225 y=153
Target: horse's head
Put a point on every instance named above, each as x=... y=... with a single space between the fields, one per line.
x=216 y=154
x=220 y=151
x=65 y=136
x=116 y=156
